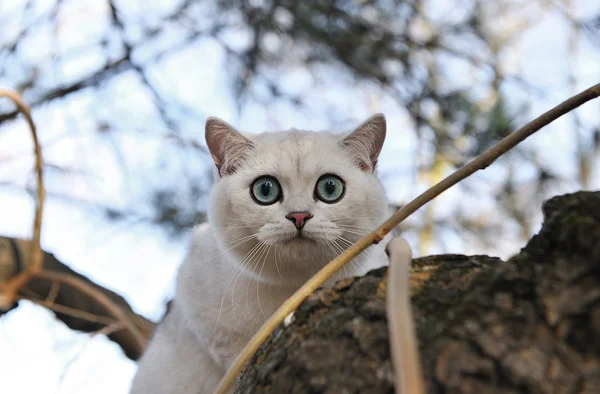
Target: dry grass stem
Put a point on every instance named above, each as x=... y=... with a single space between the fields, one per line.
x=480 y=162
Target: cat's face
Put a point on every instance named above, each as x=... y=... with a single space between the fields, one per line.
x=287 y=202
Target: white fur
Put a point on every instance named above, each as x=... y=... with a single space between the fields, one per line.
x=229 y=285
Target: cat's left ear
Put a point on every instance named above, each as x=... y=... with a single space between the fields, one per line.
x=366 y=141
x=226 y=145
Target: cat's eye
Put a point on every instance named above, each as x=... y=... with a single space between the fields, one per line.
x=329 y=188
x=265 y=190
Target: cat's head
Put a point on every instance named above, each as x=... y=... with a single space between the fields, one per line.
x=285 y=203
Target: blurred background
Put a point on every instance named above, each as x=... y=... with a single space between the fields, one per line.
x=120 y=91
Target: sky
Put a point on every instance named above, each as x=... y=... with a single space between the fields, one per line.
x=140 y=262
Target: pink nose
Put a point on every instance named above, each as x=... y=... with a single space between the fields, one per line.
x=299 y=218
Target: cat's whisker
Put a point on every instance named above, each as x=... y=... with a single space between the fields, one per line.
x=353 y=232
x=328 y=243
x=257 y=288
x=235 y=243
x=251 y=263
x=244 y=263
x=365 y=253
x=240 y=227
x=249 y=260
x=238 y=242
x=227 y=283
x=275 y=250
x=355 y=235
x=259 y=257
x=339 y=250
x=346 y=224
x=350 y=243
x=361 y=229
x=352 y=218
x=342 y=250
x=356 y=228
x=241 y=241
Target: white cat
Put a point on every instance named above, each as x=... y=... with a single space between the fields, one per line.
x=284 y=205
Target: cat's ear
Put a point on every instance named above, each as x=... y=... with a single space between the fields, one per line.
x=365 y=142
x=226 y=145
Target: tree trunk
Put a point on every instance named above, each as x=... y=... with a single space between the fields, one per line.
x=528 y=325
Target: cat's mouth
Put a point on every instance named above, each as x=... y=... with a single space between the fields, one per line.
x=298 y=238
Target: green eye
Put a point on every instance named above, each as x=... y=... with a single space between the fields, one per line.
x=265 y=190
x=329 y=189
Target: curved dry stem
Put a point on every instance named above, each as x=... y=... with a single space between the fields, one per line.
x=101 y=299
x=403 y=339
x=11 y=289
x=80 y=314
x=479 y=163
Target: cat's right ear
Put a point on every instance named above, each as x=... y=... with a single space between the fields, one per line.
x=366 y=142
x=226 y=145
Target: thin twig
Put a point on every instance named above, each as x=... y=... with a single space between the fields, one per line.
x=11 y=289
x=54 y=287
x=403 y=339
x=479 y=163
x=66 y=310
x=110 y=329
x=101 y=299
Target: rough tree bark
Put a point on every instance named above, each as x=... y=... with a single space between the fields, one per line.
x=14 y=255
x=528 y=325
